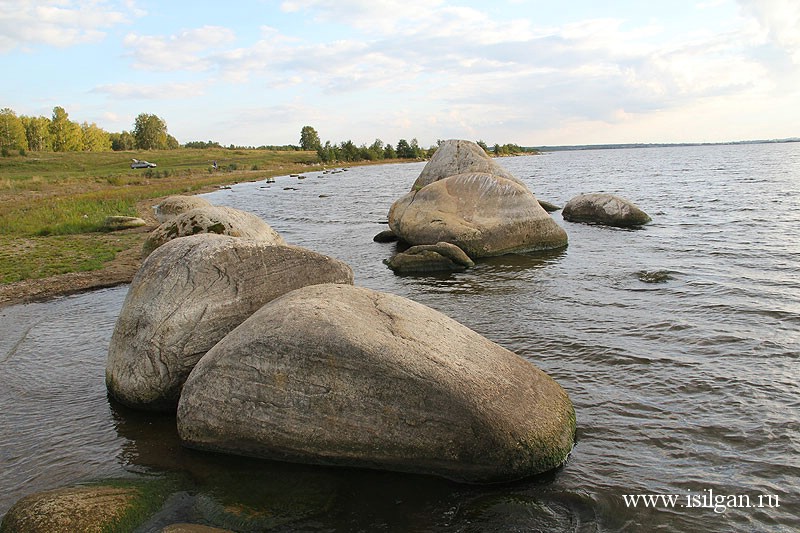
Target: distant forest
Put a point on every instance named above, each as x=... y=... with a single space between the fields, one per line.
x=57 y=133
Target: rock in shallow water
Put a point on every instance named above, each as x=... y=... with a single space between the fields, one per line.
x=606 y=209
x=464 y=197
x=438 y=257
x=334 y=374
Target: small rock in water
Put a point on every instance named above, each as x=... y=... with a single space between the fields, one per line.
x=654 y=276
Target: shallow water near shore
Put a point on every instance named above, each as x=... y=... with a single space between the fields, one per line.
x=678 y=343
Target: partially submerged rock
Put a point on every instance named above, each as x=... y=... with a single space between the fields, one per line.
x=67 y=510
x=212 y=219
x=187 y=296
x=172 y=206
x=548 y=206
x=339 y=375
x=438 y=257
x=483 y=214
x=606 y=209
x=385 y=236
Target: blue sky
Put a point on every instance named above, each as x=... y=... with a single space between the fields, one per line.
x=530 y=72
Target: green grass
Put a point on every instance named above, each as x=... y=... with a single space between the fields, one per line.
x=52 y=205
x=41 y=257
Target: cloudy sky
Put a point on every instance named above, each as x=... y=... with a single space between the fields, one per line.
x=529 y=72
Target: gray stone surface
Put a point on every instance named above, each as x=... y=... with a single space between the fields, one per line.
x=604 y=208
x=340 y=375
x=212 y=219
x=483 y=214
x=172 y=206
x=187 y=296
x=441 y=256
x=460 y=157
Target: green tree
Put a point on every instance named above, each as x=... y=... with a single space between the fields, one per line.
x=150 y=132
x=66 y=136
x=95 y=139
x=123 y=141
x=404 y=150
x=12 y=132
x=172 y=143
x=389 y=152
x=309 y=139
x=37 y=130
x=376 y=149
x=483 y=145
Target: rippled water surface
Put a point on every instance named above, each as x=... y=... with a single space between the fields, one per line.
x=678 y=343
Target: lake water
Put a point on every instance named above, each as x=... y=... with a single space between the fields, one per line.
x=678 y=343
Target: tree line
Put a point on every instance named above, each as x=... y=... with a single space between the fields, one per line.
x=19 y=134
x=347 y=151
x=58 y=133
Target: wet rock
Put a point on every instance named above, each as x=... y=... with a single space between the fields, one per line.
x=464 y=197
x=385 y=236
x=438 y=257
x=219 y=220
x=340 y=375
x=67 y=510
x=172 y=206
x=549 y=207
x=654 y=276
x=483 y=214
x=187 y=296
x=606 y=209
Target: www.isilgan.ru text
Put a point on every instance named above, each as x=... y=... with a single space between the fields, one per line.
x=705 y=499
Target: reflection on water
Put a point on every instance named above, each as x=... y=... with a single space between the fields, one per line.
x=678 y=344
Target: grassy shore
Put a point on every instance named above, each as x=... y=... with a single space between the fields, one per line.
x=52 y=205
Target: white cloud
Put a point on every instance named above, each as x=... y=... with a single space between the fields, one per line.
x=187 y=50
x=167 y=91
x=780 y=22
x=28 y=23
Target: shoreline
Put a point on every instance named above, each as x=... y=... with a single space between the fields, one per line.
x=118 y=271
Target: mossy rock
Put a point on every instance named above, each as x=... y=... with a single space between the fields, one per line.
x=108 y=507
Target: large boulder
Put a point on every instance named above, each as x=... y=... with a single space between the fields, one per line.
x=187 y=296
x=172 y=206
x=212 y=219
x=483 y=214
x=606 y=209
x=340 y=375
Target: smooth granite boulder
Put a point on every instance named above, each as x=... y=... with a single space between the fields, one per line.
x=483 y=214
x=456 y=156
x=438 y=257
x=172 y=206
x=212 y=219
x=341 y=375
x=187 y=296
x=606 y=209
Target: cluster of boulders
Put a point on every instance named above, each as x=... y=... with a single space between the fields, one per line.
x=267 y=349
x=464 y=198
